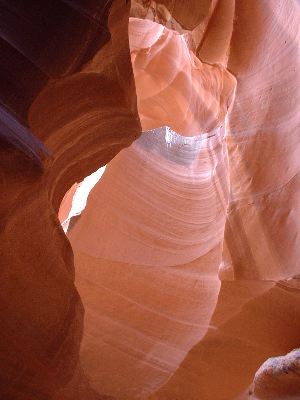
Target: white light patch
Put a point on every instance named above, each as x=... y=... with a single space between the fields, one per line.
x=81 y=195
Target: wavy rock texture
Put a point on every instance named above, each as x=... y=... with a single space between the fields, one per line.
x=134 y=275
x=148 y=245
x=255 y=228
x=174 y=88
x=261 y=233
x=268 y=73
x=68 y=106
x=252 y=321
x=77 y=116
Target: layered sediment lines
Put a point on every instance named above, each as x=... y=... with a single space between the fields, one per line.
x=77 y=117
x=174 y=88
x=148 y=245
x=147 y=252
x=262 y=232
x=68 y=106
x=263 y=145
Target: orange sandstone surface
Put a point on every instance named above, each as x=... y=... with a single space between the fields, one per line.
x=180 y=278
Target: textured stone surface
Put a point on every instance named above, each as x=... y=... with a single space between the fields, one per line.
x=261 y=237
x=252 y=321
x=279 y=378
x=77 y=117
x=188 y=13
x=68 y=106
x=174 y=88
x=147 y=299
x=146 y=254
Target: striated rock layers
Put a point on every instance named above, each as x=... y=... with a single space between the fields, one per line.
x=171 y=210
x=77 y=117
x=148 y=245
x=255 y=317
x=240 y=336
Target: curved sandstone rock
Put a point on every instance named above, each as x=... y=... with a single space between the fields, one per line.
x=261 y=236
x=174 y=88
x=239 y=250
x=148 y=245
x=63 y=76
x=77 y=117
x=279 y=378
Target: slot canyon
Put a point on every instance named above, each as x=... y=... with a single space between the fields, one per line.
x=150 y=200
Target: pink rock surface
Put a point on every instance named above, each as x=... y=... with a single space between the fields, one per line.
x=259 y=238
x=263 y=144
x=174 y=88
x=148 y=245
x=156 y=319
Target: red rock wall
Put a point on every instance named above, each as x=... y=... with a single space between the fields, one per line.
x=255 y=317
x=77 y=117
x=73 y=87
